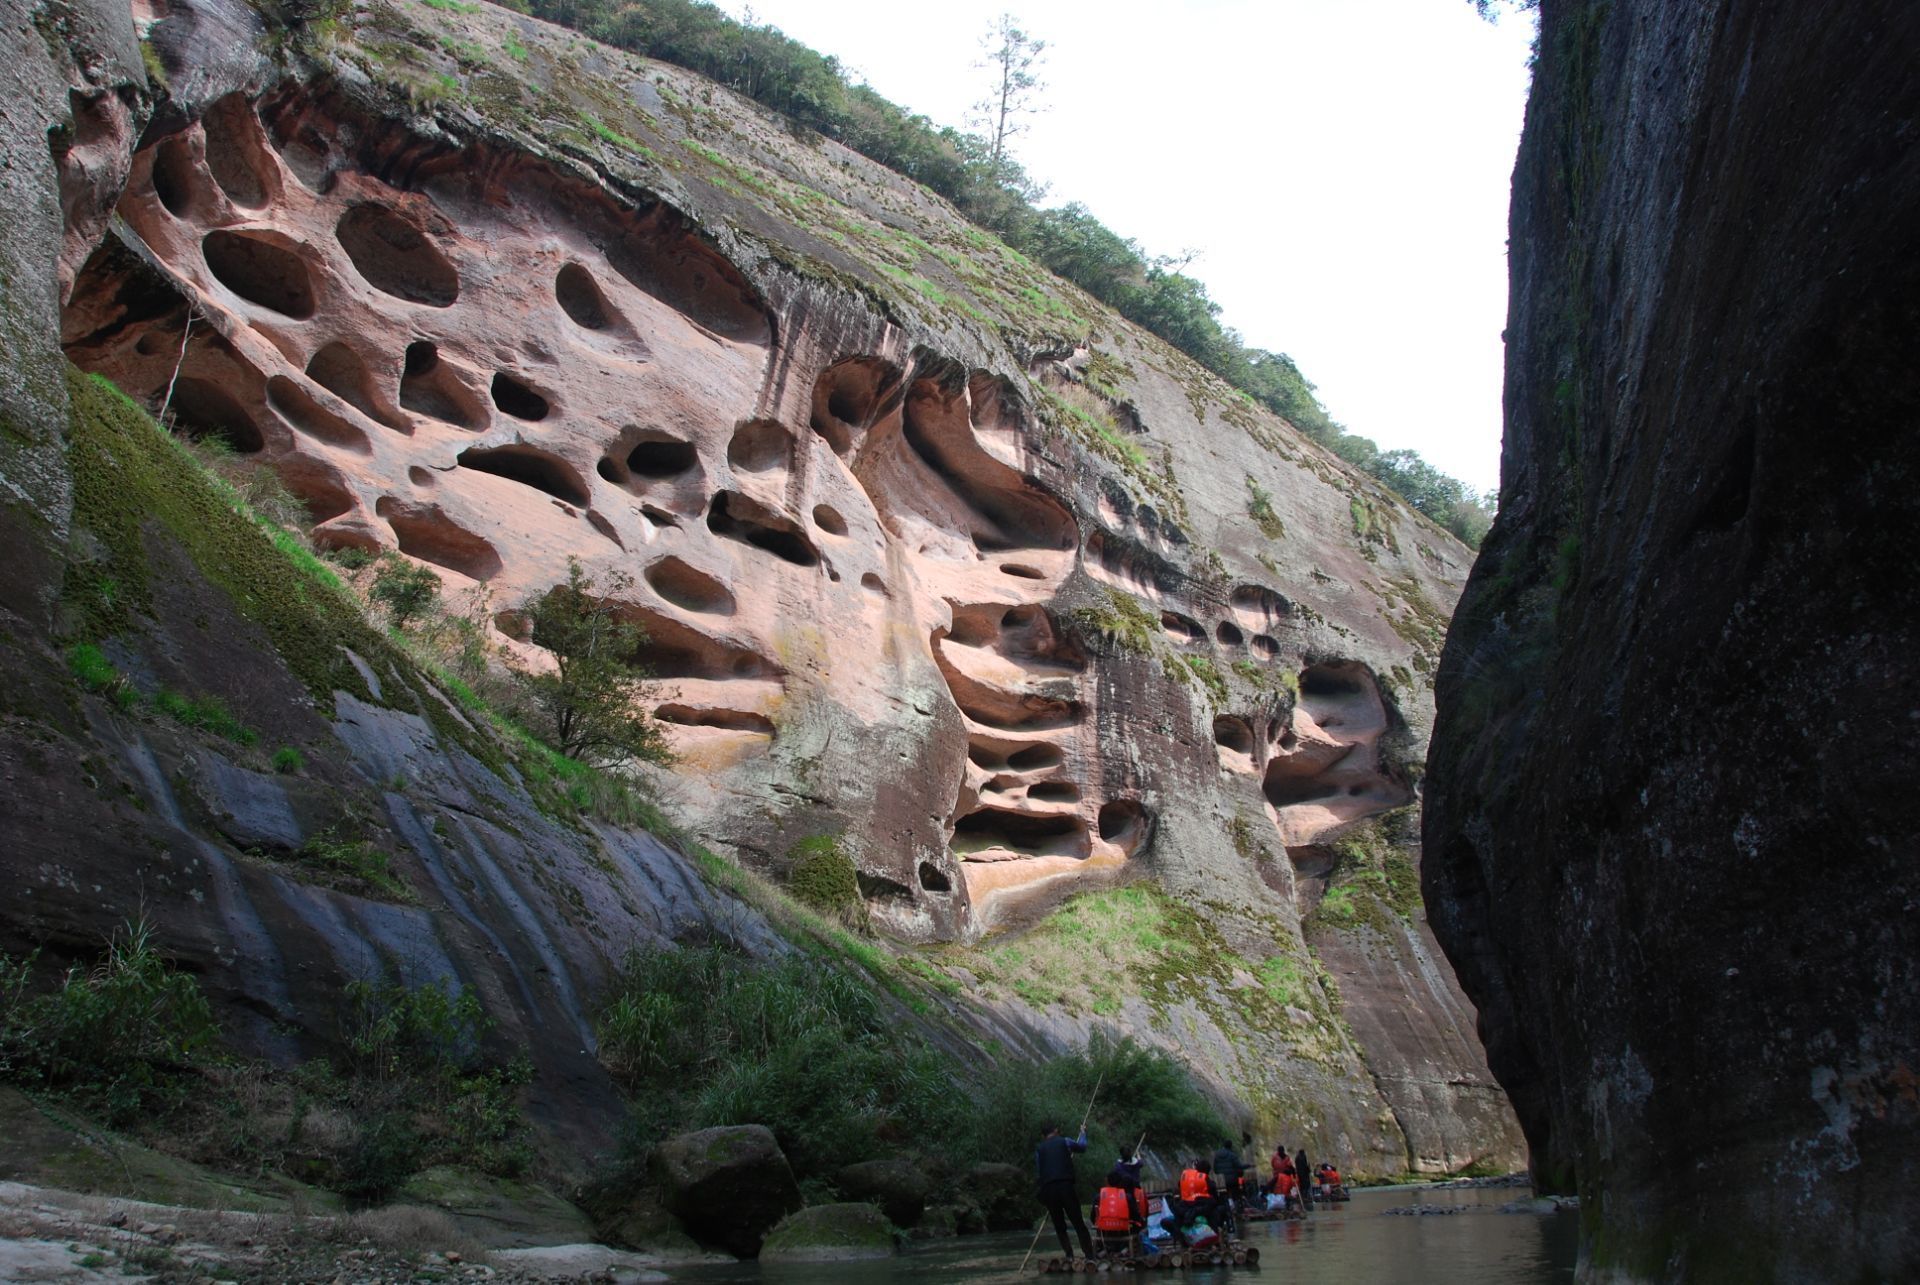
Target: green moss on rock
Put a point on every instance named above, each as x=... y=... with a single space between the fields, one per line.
x=830 y=1233
x=822 y=875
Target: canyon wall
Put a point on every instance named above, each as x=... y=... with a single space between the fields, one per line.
x=1667 y=846
x=934 y=554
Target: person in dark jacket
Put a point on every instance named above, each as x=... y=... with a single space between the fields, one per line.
x=1053 y=1164
x=1305 y=1175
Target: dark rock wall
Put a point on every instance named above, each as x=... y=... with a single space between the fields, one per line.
x=1669 y=823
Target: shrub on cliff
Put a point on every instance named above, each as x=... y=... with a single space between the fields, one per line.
x=706 y=1036
x=590 y=705
x=822 y=875
x=120 y=1035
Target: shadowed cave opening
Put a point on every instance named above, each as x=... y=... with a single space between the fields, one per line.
x=173 y=176
x=1233 y=734
x=426 y=533
x=295 y=405
x=338 y=369
x=260 y=270
x=1229 y=634
x=828 y=519
x=1048 y=834
x=202 y=408
x=429 y=387
x=530 y=467
x=933 y=879
x=518 y=400
x=396 y=257
x=580 y=297
x=731 y=720
x=1054 y=792
x=655 y=458
x=236 y=156
x=1123 y=823
x=732 y=518
x=689 y=588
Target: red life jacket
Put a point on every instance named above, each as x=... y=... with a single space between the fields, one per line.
x=1332 y=1178
x=1285 y=1182
x=1194 y=1186
x=1114 y=1212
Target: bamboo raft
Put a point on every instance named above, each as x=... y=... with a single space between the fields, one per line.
x=1169 y=1260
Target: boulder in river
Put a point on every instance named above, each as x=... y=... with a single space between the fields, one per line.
x=829 y=1233
x=728 y=1184
x=897 y=1186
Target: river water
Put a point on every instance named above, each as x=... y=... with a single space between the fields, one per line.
x=1357 y=1243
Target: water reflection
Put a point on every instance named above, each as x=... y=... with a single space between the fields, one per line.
x=1353 y=1244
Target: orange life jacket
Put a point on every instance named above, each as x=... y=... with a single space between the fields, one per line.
x=1194 y=1186
x=1284 y=1182
x=1114 y=1212
x=1333 y=1178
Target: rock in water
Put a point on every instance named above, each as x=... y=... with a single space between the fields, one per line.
x=1670 y=803
x=897 y=1186
x=729 y=1184
x=829 y=1233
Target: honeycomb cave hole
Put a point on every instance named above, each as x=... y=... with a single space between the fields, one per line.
x=531 y=467
x=173 y=177
x=580 y=298
x=1046 y=834
x=1233 y=734
x=674 y=649
x=1034 y=758
x=1055 y=792
x=1184 y=629
x=260 y=270
x=760 y=446
x=655 y=458
x=730 y=720
x=734 y=517
x=1123 y=823
x=396 y=257
x=236 y=154
x=828 y=519
x=516 y=399
x=689 y=588
x=933 y=879
x=202 y=408
x=429 y=387
x=295 y=405
x=851 y=395
x=1021 y=571
x=1229 y=635
x=338 y=369
x=426 y=533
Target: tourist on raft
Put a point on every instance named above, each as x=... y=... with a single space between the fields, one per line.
x=1053 y=1162
x=1201 y=1198
x=1120 y=1210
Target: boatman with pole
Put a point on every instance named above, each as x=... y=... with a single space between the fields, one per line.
x=1053 y=1159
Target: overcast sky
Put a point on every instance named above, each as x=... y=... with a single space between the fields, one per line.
x=1340 y=166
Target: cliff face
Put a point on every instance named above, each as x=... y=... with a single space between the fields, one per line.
x=1668 y=825
x=934 y=555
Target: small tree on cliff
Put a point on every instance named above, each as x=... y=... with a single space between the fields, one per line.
x=591 y=704
x=1011 y=57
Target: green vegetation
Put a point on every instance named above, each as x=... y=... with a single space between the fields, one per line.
x=1373 y=876
x=131 y=480
x=357 y=863
x=1101 y=947
x=406 y=589
x=1260 y=509
x=288 y=761
x=820 y=874
x=205 y=714
x=118 y=1037
x=1209 y=676
x=96 y=673
x=420 y=1090
x=589 y=706
x=1124 y=620
x=987 y=186
x=705 y=1036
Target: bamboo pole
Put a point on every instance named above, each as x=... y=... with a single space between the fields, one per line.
x=1098 y=1081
